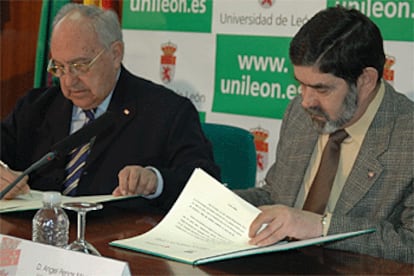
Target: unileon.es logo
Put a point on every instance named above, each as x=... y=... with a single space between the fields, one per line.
x=167 y=67
x=266 y=3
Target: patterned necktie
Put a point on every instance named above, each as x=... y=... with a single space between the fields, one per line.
x=321 y=187
x=77 y=162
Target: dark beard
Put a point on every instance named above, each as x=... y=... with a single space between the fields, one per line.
x=349 y=107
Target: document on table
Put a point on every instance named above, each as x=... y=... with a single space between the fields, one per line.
x=208 y=223
x=33 y=200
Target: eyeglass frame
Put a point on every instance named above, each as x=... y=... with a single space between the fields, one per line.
x=72 y=67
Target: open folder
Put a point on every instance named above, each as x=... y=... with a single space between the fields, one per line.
x=33 y=201
x=209 y=223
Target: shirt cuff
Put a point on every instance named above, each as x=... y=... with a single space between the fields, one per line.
x=160 y=184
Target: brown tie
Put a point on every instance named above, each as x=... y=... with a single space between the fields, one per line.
x=321 y=187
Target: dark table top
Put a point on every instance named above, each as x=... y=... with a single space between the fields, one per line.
x=113 y=223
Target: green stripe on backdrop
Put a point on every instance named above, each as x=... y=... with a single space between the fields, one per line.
x=48 y=12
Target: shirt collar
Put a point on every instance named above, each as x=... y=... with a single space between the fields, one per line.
x=101 y=109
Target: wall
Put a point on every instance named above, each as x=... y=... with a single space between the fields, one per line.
x=19 y=27
x=231 y=57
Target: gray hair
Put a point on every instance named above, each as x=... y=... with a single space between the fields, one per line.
x=104 y=22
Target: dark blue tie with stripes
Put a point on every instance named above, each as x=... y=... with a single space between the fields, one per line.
x=77 y=162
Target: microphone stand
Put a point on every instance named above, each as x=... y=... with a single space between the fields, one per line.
x=45 y=159
x=104 y=122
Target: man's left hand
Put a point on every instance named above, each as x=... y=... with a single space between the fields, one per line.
x=136 y=180
x=284 y=222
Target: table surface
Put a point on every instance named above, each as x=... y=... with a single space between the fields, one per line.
x=112 y=223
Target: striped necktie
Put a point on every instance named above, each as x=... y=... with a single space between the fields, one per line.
x=320 y=190
x=77 y=162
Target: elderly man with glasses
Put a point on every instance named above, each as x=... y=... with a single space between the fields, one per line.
x=152 y=148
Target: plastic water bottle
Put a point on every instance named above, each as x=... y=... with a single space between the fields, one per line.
x=50 y=225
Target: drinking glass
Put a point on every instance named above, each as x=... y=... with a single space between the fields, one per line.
x=80 y=244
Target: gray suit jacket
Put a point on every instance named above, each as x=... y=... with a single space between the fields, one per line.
x=379 y=191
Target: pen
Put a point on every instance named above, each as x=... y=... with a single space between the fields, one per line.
x=4 y=165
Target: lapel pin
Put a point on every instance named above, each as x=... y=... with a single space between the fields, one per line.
x=371 y=174
x=126 y=111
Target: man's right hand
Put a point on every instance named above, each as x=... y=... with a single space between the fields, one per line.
x=7 y=176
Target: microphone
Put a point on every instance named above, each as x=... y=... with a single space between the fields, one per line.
x=84 y=134
x=45 y=159
x=63 y=147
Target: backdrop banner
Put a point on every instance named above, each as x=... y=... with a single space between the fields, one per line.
x=231 y=57
x=48 y=12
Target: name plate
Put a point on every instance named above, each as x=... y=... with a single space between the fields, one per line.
x=23 y=257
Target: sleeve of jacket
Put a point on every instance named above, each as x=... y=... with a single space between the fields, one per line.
x=393 y=238
x=17 y=128
x=259 y=196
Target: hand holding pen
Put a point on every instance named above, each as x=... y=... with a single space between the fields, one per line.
x=7 y=176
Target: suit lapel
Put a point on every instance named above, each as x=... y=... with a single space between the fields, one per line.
x=304 y=153
x=56 y=120
x=297 y=158
x=105 y=139
x=124 y=110
x=367 y=167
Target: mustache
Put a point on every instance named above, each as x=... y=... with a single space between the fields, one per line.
x=316 y=110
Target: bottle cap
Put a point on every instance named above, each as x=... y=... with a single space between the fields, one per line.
x=52 y=197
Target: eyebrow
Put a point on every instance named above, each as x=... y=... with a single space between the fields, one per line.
x=316 y=85
x=73 y=61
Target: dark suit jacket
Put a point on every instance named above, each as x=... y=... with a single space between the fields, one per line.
x=384 y=201
x=153 y=127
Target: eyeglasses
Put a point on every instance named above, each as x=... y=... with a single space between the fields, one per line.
x=76 y=69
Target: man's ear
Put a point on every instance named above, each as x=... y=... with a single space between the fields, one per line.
x=117 y=49
x=367 y=81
